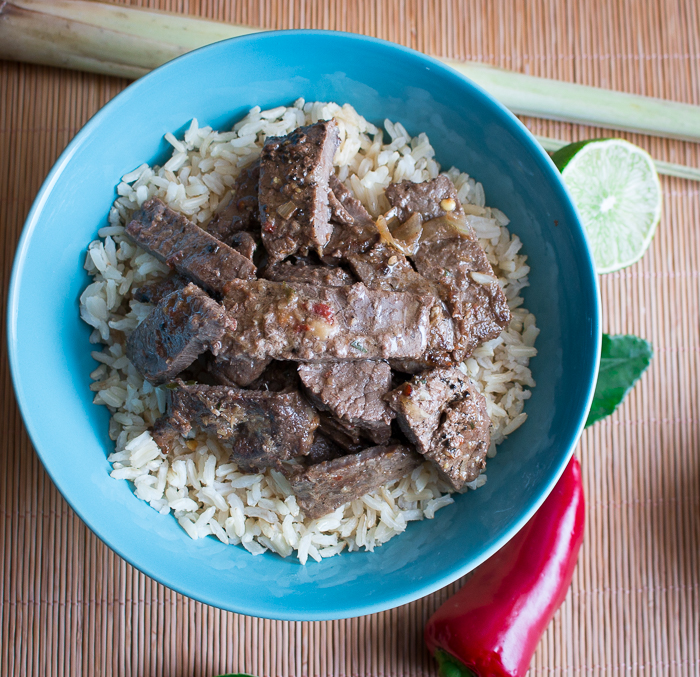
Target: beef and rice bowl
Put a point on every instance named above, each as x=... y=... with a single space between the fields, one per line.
x=310 y=335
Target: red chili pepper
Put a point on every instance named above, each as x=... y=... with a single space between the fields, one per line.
x=324 y=310
x=492 y=625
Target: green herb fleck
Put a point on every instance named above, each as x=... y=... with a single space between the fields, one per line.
x=623 y=359
x=358 y=346
x=289 y=293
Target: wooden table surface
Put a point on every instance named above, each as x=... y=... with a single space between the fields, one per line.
x=70 y=606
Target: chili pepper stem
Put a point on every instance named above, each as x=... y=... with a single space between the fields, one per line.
x=450 y=666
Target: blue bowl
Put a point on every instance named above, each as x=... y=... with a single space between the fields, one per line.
x=50 y=353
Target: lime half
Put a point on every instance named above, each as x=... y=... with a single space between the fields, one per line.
x=617 y=192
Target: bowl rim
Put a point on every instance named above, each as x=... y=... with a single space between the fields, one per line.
x=269 y=610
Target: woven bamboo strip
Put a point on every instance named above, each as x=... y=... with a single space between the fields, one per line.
x=71 y=607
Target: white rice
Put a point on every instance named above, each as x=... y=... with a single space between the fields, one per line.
x=197 y=483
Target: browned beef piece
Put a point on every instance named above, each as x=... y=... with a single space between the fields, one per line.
x=326 y=486
x=301 y=270
x=192 y=252
x=183 y=325
x=462 y=440
x=445 y=416
x=323 y=449
x=164 y=434
x=262 y=428
x=429 y=199
x=419 y=403
x=354 y=230
x=153 y=292
x=237 y=371
x=308 y=323
x=353 y=392
x=278 y=377
x=479 y=309
x=199 y=372
x=293 y=195
x=387 y=269
x=346 y=436
x=345 y=207
x=241 y=213
x=244 y=243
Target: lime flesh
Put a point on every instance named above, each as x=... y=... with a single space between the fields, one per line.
x=617 y=192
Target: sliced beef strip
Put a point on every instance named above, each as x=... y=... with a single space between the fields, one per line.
x=326 y=486
x=479 y=310
x=339 y=214
x=262 y=428
x=353 y=392
x=323 y=449
x=308 y=323
x=429 y=199
x=293 y=195
x=343 y=434
x=244 y=243
x=153 y=292
x=238 y=371
x=241 y=213
x=199 y=372
x=419 y=403
x=181 y=327
x=354 y=230
x=462 y=440
x=301 y=270
x=192 y=252
x=278 y=377
x=164 y=434
x=384 y=268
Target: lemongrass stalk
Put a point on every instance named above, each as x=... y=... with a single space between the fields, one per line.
x=119 y=40
x=556 y=100
x=103 y=38
x=666 y=168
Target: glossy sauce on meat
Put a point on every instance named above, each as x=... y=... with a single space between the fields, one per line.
x=314 y=316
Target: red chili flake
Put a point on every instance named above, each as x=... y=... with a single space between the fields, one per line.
x=325 y=311
x=407 y=390
x=302 y=326
x=269 y=227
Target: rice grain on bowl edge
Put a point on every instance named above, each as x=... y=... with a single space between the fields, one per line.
x=207 y=493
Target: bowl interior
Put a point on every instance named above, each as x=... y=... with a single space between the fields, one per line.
x=50 y=353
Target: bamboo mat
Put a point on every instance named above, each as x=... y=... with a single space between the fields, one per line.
x=72 y=607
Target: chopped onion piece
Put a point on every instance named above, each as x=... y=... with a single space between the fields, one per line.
x=409 y=232
x=408 y=249
x=460 y=223
x=286 y=210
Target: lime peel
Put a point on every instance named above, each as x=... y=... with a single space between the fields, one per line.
x=618 y=194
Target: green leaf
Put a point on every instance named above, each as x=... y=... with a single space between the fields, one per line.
x=623 y=359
